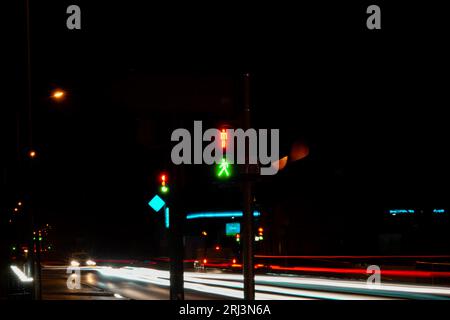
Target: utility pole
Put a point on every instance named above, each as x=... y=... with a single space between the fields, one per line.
x=247 y=236
x=176 y=247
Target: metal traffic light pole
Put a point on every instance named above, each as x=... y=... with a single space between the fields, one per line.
x=176 y=222
x=247 y=236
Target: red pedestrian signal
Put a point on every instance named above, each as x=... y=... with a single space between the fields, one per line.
x=223 y=138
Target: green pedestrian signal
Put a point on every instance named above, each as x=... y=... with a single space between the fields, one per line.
x=223 y=170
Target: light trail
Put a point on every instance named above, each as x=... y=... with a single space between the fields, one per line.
x=22 y=276
x=277 y=287
x=160 y=278
x=394 y=273
x=352 y=257
x=227 y=285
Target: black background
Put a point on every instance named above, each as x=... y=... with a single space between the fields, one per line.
x=370 y=103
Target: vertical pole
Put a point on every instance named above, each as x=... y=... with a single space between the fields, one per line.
x=176 y=221
x=248 y=266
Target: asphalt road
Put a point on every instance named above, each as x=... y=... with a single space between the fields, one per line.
x=105 y=283
x=96 y=287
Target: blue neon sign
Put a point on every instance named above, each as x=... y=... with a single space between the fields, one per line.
x=401 y=211
x=218 y=214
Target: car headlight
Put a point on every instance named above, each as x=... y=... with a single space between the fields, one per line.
x=74 y=263
x=90 y=263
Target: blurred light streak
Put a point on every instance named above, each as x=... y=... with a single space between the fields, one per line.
x=22 y=276
x=394 y=273
x=350 y=257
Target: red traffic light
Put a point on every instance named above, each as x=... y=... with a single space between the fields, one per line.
x=163 y=179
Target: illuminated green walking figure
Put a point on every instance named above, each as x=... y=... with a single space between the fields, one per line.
x=224 y=168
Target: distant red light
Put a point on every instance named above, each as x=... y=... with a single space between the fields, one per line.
x=205 y=261
x=217 y=248
x=234 y=261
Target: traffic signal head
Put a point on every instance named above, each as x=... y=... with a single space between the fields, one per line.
x=260 y=234
x=163 y=180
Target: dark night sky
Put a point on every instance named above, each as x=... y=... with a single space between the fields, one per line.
x=371 y=106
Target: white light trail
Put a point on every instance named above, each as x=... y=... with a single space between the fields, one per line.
x=274 y=287
x=22 y=276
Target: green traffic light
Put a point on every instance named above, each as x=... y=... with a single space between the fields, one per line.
x=164 y=189
x=223 y=170
x=40 y=238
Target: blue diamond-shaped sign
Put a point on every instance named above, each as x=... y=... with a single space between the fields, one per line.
x=156 y=203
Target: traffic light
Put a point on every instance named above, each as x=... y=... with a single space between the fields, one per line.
x=164 y=186
x=260 y=234
x=223 y=168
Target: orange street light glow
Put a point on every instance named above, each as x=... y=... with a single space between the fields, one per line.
x=58 y=94
x=32 y=154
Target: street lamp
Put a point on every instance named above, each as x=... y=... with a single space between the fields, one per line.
x=58 y=94
x=32 y=154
